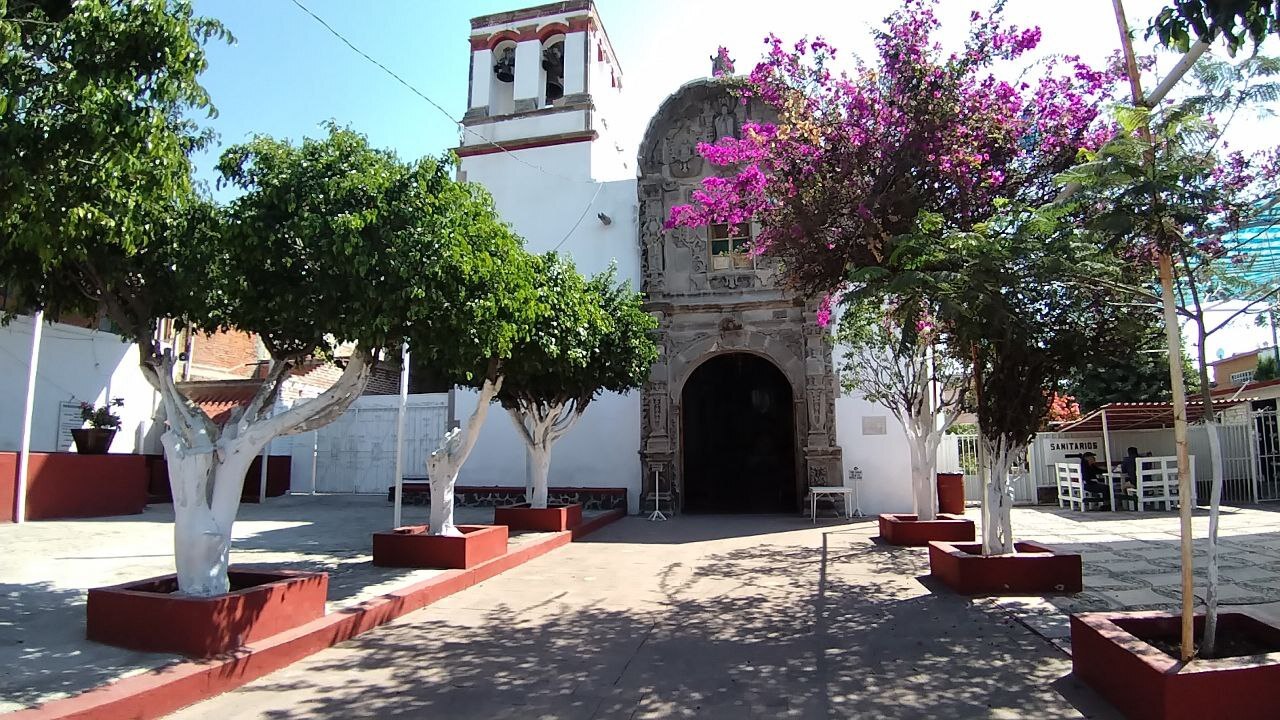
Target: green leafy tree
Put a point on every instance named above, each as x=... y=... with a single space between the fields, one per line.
x=1009 y=310
x=1166 y=189
x=895 y=356
x=1138 y=373
x=1237 y=22
x=595 y=337
x=95 y=101
x=1268 y=368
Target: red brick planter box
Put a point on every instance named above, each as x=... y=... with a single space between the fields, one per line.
x=906 y=530
x=1035 y=569
x=553 y=518
x=149 y=615
x=412 y=547
x=1141 y=681
x=70 y=485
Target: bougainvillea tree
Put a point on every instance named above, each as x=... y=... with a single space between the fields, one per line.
x=856 y=155
x=919 y=144
x=595 y=337
x=894 y=356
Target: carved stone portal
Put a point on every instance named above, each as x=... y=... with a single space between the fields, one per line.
x=706 y=312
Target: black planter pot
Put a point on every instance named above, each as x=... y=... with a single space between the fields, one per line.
x=93 y=441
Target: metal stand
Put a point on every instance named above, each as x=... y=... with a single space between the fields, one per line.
x=656 y=515
x=855 y=477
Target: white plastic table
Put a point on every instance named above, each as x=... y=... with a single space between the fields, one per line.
x=816 y=490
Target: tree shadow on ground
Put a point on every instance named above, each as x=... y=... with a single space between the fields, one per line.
x=765 y=630
x=42 y=652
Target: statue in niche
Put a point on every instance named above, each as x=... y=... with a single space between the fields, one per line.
x=682 y=155
x=725 y=122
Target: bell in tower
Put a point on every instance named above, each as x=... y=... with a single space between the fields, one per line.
x=553 y=64
x=505 y=68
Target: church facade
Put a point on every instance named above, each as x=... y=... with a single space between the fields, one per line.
x=742 y=411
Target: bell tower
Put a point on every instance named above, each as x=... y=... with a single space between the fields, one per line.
x=542 y=82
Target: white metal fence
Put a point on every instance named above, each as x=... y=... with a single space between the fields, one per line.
x=1249 y=441
x=357 y=452
x=959 y=453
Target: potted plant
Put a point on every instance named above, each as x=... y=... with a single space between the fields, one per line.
x=103 y=424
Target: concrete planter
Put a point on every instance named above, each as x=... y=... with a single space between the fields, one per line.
x=149 y=615
x=412 y=547
x=553 y=518
x=1034 y=570
x=1109 y=653
x=907 y=530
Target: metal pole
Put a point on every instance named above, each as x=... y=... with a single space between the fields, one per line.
x=20 y=497
x=315 y=454
x=1275 y=346
x=1106 y=451
x=404 y=400
x=266 y=452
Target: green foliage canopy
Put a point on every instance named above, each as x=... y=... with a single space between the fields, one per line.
x=594 y=337
x=95 y=99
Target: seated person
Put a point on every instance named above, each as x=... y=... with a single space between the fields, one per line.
x=1094 y=475
x=1129 y=465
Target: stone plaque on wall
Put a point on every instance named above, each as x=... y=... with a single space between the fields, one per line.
x=874 y=425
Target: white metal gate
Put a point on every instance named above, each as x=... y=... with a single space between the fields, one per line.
x=959 y=453
x=357 y=452
x=1266 y=453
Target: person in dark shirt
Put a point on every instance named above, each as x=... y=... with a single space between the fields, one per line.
x=1093 y=474
x=1129 y=465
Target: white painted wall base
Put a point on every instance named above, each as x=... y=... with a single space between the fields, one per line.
x=76 y=365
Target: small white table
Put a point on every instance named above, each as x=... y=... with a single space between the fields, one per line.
x=816 y=490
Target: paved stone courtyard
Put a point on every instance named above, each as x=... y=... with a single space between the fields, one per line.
x=703 y=616
x=1132 y=560
x=706 y=616
x=47 y=566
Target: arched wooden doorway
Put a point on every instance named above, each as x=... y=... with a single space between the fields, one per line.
x=738 y=437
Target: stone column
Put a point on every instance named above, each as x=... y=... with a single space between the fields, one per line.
x=823 y=461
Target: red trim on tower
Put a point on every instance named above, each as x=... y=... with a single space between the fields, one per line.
x=553 y=29
x=582 y=23
x=549 y=141
x=479 y=42
x=499 y=37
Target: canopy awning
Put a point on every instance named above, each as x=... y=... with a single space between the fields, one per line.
x=1142 y=415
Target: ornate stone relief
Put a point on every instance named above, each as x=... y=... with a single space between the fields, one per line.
x=675 y=272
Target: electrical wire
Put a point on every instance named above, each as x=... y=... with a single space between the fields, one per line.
x=433 y=103
x=578 y=222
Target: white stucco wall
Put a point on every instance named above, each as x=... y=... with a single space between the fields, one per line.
x=543 y=207
x=603 y=450
x=76 y=365
x=885 y=460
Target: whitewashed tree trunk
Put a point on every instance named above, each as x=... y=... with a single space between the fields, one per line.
x=540 y=425
x=924 y=463
x=1208 y=643
x=444 y=463
x=207 y=465
x=997 y=496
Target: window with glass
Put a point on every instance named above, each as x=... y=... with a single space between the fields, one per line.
x=730 y=247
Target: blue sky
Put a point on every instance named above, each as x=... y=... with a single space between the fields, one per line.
x=286 y=74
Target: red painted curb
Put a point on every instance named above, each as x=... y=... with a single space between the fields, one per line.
x=160 y=692
x=1143 y=683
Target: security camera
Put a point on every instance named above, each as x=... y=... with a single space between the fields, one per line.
x=604 y=218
